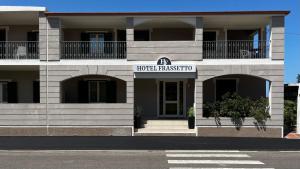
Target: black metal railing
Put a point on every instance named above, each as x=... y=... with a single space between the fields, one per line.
x=235 y=49
x=93 y=50
x=19 y=50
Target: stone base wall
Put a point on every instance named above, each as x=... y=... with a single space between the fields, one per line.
x=65 y=131
x=270 y=132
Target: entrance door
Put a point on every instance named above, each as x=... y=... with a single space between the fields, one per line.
x=171 y=99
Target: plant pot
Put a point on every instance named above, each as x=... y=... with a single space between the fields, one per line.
x=137 y=121
x=191 y=122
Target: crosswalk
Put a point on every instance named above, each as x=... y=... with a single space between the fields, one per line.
x=212 y=159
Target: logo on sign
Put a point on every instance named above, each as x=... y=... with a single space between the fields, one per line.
x=164 y=61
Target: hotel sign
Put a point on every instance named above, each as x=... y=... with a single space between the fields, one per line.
x=164 y=65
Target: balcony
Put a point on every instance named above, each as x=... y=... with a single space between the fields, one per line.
x=19 y=50
x=235 y=49
x=93 y=50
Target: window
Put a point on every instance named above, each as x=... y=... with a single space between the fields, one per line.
x=224 y=86
x=102 y=91
x=36 y=91
x=141 y=35
x=97 y=91
x=3 y=92
x=210 y=36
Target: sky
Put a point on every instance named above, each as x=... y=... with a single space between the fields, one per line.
x=292 y=44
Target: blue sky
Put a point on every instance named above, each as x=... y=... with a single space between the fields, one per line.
x=292 y=61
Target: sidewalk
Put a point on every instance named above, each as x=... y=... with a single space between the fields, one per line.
x=293 y=135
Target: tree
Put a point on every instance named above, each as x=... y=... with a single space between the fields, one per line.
x=298 y=78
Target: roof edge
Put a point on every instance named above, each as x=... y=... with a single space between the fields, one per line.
x=22 y=9
x=167 y=13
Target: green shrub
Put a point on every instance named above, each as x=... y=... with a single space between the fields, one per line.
x=238 y=108
x=290 y=114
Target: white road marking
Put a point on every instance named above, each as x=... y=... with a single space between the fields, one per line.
x=289 y=151
x=209 y=155
x=214 y=162
x=202 y=151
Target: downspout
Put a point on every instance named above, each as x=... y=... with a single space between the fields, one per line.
x=47 y=119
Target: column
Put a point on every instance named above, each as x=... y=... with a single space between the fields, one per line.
x=129 y=29
x=198 y=107
x=49 y=37
x=42 y=36
x=277 y=38
x=199 y=35
x=276 y=101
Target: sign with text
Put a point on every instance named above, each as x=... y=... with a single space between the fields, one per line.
x=164 y=65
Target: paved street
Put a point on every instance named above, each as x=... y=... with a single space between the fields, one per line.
x=148 y=153
x=147 y=143
x=141 y=159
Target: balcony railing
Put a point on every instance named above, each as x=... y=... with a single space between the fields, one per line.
x=19 y=50
x=235 y=49
x=93 y=50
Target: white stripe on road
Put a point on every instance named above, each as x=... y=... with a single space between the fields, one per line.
x=214 y=162
x=289 y=151
x=214 y=168
x=208 y=155
x=202 y=151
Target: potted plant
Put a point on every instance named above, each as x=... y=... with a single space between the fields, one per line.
x=191 y=118
x=137 y=117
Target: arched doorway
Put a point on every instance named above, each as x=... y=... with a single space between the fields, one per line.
x=93 y=89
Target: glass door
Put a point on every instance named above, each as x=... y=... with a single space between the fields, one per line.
x=171 y=99
x=96 y=43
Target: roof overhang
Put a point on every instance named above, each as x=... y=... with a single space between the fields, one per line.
x=166 y=13
x=20 y=15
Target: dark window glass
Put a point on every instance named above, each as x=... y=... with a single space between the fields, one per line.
x=141 y=35
x=101 y=91
x=209 y=36
x=171 y=91
x=36 y=91
x=161 y=97
x=181 y=98
x=224 y=86
x=171 y=108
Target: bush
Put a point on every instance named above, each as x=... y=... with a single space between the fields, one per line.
x=238 y=108
x=190 y=112
x=290 y=115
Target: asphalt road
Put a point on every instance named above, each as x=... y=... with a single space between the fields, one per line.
x=145 y=159
x=146 y=143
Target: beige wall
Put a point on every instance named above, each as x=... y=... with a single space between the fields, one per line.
x=24 y=81
x=145 y=96
x=19 y=33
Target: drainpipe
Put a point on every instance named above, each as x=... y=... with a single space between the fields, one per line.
x=47 y=119
x=298 y=110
